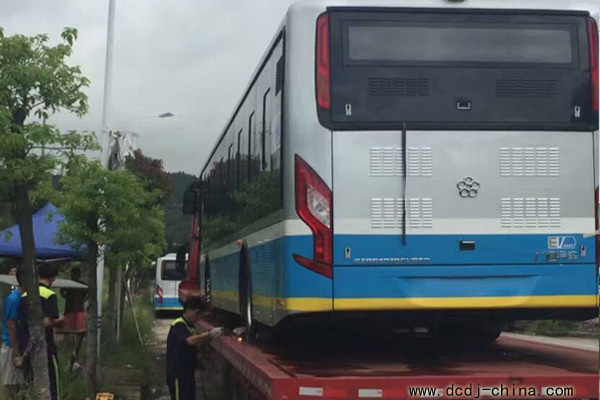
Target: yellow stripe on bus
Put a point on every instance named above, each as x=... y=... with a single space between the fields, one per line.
x=314 y=304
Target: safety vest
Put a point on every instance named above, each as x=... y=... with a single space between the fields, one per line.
x=45 y=293
x=192 y=330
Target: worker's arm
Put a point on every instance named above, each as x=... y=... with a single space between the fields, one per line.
x=50 y=310
x=195 y=340
x=50 y=322
x=198 y=339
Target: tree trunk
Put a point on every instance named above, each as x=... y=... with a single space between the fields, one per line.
x=39 y=357
x=91 y=323
x=121 y=305
x=111 y=309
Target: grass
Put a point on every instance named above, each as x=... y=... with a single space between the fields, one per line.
x=548 y=327
x=128 y=355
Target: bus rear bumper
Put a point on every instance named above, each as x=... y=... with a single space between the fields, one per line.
x=167 y=304
x=465 y=287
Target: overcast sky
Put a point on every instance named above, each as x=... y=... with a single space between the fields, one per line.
x=193 y=58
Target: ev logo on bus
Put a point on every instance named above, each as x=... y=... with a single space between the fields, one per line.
x=468 y=187
x=562 y=242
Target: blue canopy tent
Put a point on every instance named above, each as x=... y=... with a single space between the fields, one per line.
x=45 y=227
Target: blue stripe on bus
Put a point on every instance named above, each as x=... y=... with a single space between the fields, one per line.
x=490 y=270
x=467 y=281
x=167 y=302
x=444 y=249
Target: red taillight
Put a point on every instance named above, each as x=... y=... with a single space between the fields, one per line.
x=596 y=198
x=593 y=44
x=159 y=293
x=314 y=207
x=323 y=75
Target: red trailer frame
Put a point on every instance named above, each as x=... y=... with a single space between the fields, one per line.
x=261 y=374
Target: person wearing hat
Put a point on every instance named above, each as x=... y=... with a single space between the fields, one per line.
x=182 y=344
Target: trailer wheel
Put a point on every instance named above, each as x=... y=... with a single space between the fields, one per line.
x=245 y=296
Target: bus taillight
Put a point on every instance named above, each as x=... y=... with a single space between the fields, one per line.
x=159 y=293
x=322 y=67
x=597 y=218
x=314 y=207
x=593 y=44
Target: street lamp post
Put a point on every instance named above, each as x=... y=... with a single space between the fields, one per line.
x=104 y=137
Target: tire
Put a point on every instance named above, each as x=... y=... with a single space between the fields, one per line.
x=477 y=332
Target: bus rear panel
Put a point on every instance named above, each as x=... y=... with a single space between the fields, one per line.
x=463 y=163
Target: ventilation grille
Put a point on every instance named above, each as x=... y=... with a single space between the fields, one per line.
x=530 y=212
x=279 y=76
x=526 y=88
x=387 y=213
x=529 y=161
x=399 y=87
x=388 y=161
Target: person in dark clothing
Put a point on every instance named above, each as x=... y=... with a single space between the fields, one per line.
x=182 y=344
x=48 y=300
x=74 y=304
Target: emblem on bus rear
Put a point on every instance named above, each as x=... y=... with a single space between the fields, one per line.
x=562 y=242
x=468 y=187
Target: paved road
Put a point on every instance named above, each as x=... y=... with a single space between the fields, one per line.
x=572 y=342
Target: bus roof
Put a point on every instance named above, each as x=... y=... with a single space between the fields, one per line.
x=581 y=5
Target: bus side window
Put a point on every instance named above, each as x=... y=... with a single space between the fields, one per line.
x=222 y=180
x=252 y=147
x=239 y=160
x=230 y=170
x=266 y=133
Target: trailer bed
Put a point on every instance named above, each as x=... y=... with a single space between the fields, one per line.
x=386 y=365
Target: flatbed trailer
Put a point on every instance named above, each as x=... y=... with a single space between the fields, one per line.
x=388 y=368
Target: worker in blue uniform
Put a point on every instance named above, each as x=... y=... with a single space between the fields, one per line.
x=182 y=344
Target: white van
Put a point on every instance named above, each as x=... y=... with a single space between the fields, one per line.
x=166 y=295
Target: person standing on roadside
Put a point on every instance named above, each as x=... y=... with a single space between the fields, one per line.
x=74 y=304
x=182 y=345
x=48 y=299
x=10 y=375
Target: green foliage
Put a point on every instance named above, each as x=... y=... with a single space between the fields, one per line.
x=112 y=209
x=553 y=327
x=35 y=80
x=34 y=76
x=152 y=174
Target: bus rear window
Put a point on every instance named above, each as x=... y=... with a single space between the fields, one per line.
x=170 y=272
x=431 y=42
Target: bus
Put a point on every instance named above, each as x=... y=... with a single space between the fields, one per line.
x=168 y=277
x=431 y=161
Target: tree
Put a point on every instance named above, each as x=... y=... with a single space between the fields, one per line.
x=152 y=174
x=157 y=181
x=111 y=209
x=35 y=81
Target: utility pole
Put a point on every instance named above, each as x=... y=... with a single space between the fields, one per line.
x=105 y=141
